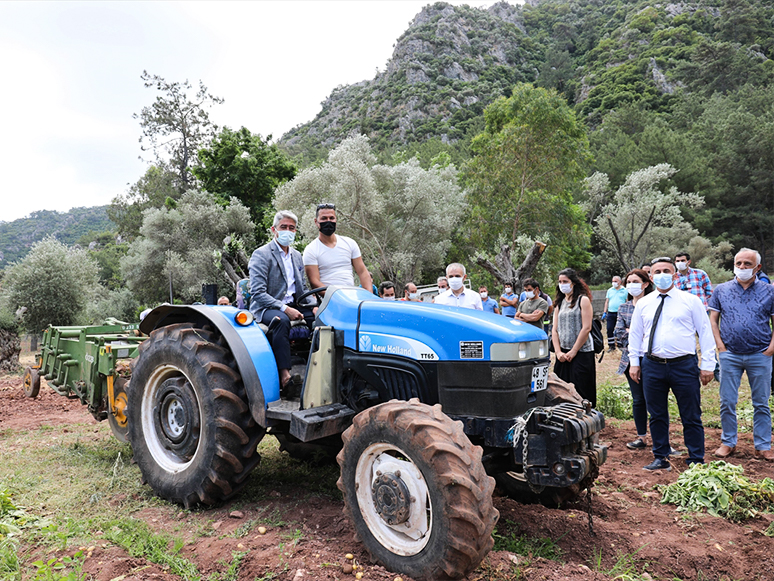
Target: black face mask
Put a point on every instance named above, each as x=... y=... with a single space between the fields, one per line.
x=327 y=228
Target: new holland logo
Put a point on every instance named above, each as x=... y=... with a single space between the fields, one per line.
x=365 y=343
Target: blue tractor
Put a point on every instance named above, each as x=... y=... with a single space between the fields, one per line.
x=425 y=405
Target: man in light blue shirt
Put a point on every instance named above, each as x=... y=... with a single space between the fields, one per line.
x=509 y=301
x=615 y=297
x=489 y=304
x=741 y=314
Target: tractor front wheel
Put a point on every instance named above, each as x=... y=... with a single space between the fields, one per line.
x=416 y=491
x=190 y=427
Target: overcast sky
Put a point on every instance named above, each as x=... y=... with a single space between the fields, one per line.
x=71 y=79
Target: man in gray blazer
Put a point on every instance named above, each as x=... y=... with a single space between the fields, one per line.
x=276 y=279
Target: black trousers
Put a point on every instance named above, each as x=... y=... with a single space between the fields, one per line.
x=683 y=378
x=582 y=372
x=279 y=338
x=612 y=318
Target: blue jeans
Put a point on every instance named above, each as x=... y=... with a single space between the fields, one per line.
x=682 y=377
x=639 y=407
x=758 y=368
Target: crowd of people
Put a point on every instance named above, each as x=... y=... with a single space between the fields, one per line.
x=656 y=315
x=669 y=307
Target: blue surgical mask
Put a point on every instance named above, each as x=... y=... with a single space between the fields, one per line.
x=663 y=280
x=285 y=237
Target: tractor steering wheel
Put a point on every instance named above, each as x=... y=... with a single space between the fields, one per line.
x=301 y=298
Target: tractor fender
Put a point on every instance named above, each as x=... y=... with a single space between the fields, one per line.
x=248 y=344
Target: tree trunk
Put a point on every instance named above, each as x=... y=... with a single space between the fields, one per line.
x=502 y=267
x=230 y=272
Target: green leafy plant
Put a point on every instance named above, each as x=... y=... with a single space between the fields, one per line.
x=721 y=489
x=615 y=401
x=63 y=569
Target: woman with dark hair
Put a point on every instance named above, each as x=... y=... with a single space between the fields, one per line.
x=638 y=284
x=571 y=335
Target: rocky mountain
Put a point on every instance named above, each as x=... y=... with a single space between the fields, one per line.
x=18 y=236
x=452 y=61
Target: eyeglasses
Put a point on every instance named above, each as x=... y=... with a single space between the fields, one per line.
x=326 y=206
x=662 y=259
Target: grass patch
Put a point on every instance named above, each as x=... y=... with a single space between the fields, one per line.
x=232 y=568
x=140 y=541
x=625 y=568
x=507 y=538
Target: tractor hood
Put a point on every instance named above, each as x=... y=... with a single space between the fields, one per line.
x=425 y=331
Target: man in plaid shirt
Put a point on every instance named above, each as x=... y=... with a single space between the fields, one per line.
x=693 y=280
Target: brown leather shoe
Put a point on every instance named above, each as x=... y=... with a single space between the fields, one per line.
x=725 y=451
x=767 y=455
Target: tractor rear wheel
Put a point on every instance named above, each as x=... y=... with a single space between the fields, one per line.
x=416 y=491
x=190 y=426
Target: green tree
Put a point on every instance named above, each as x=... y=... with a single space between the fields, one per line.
x=240 y=164
x=639 y=220
x=106 y=249
x=521 y=177
x=53 y=284
x=155 y=189
x=401 y=216
x=736 y=132
x=186 y=245
x=176 y=125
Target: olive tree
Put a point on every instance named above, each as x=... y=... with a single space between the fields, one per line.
x=642 y=217
x=184 y=246
x=52 y=285
x=402 y=216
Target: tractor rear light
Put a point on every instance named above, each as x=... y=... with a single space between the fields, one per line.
x=244 y=318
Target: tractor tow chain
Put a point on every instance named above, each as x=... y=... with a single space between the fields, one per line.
x=520 y=432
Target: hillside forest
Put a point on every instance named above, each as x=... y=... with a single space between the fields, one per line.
x=612 y=131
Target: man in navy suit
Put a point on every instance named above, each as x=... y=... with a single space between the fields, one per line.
x=276 y=279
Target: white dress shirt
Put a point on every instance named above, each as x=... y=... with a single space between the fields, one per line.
x=682 y=317
x=290 y=279
x=467 y=299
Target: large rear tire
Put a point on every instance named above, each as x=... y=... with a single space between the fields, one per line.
x=416 y=491
x=190 y=426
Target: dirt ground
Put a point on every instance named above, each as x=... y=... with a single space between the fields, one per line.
x=628 y=519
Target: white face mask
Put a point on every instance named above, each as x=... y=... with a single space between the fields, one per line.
x=455 y=282
x=616 y=284
x=413 y=296
x=529 y=294
x=392 y=298
x=508 y=290
x=484 y=295
x=681 y=265
x=744 y=274
x=565 y=287
x=634 y=288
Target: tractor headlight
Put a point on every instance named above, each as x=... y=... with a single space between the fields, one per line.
x=519 y=351
x=243 y=318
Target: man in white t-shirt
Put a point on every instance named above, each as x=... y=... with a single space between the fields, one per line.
x=330 y=258
x=458 y=295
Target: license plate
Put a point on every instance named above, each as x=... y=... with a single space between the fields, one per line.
x=539 y=378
